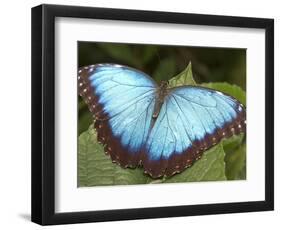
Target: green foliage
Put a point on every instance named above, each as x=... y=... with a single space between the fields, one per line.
x=184 y=78
x=236 y=163
x=225 y=161
x=121 y=52
x=96 y=168
x=165 y=69
x=211 y=167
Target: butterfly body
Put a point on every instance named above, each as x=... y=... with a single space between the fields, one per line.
x=163 y=129
x=161 y=93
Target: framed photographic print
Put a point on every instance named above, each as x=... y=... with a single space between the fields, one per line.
x=142 y=114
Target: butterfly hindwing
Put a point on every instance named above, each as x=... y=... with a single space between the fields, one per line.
x=191 y=120
x=122 y=101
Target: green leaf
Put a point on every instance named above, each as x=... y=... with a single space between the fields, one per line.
x=85 y=119
x=235 y=157
x=96 y=168
x=210 y=167
x=236 y=163
x=231 y=143
x=184 y=78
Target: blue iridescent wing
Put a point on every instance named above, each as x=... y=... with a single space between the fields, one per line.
x=191 y=120
x=122 y=102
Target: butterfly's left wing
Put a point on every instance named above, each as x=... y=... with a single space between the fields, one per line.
x=121 y=100
x=191 y=120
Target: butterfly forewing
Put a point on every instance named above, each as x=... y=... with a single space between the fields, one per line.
x=122 y=103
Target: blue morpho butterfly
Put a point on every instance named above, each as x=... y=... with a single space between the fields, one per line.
x=163 y=129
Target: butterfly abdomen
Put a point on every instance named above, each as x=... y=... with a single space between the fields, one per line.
x=161 y=93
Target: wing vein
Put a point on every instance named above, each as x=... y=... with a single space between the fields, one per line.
x=183 y=121
x=190 y=101
x=197 y=116
x=135 y=86
x=138 y=116
x=140 y=97
x=169 y=126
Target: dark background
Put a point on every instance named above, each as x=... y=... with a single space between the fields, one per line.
x=163 y=62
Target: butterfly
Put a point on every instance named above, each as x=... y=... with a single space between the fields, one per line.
x=165 y=130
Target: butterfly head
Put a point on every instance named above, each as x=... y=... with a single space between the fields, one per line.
x=164 y=84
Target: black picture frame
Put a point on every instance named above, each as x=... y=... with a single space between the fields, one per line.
x=43 y=114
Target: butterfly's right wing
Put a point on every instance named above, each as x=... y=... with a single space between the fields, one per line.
x=122 y=102
x=191 y=120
